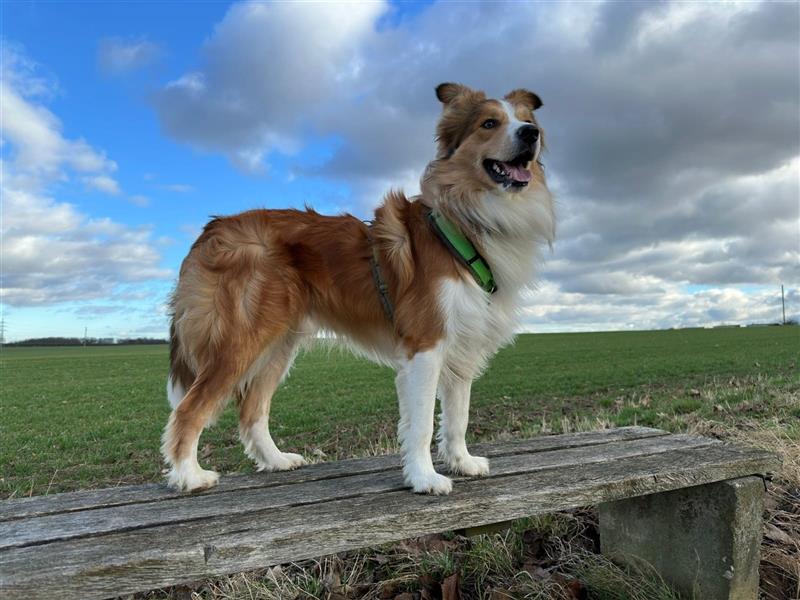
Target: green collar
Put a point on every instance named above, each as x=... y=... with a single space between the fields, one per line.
x=463 y=250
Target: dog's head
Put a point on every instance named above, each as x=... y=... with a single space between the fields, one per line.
x=494 y=143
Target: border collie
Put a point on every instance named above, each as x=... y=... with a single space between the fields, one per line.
x=256 y=284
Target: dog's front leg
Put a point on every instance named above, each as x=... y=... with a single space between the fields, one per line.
x=454 y=395
x=416 y=382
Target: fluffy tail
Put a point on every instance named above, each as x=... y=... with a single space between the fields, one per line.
x=180 y=376
x=392 y=234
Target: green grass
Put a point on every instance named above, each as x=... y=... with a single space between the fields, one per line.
x=75 y=418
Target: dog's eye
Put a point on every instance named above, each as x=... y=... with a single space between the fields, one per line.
x=528 y=121
x=489 y=123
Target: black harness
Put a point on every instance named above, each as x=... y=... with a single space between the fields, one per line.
x=380 y=283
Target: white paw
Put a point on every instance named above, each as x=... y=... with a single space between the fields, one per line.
x=430 y=483
x=285 y=461
x=471 y=466
x=191 y=478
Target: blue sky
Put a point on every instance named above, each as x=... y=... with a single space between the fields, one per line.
x=125 y=125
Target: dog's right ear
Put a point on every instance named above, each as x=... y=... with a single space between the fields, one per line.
x=447 y=92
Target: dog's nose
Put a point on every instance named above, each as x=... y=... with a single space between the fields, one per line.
x=528 y=134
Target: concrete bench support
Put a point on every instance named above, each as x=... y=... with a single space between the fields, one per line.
x=703 y=540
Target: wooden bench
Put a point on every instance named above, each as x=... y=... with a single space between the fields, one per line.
x=690 y=506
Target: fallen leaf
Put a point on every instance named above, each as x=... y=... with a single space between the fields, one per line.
x=577 y=590
x=431 y=589
x=389 y=589
x=777 y=535
x=450 y=588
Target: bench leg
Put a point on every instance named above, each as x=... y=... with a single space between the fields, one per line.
x=704 y=541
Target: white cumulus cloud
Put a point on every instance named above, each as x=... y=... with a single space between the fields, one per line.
x=52 y=251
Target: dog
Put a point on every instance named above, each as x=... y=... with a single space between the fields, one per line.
x=256 y=284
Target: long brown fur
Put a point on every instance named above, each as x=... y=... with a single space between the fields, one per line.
x=251 y=279
x=253 y=283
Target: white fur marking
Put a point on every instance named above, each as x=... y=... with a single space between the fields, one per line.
x=175 y=392
x=416 y=383
x=259 y=446
x=514 y=124
x=454 y=396
x=187 y=475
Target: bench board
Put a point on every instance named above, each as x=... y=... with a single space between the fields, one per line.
x=102 y=543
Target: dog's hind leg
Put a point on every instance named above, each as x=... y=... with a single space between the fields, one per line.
x=255 y=401
x=203 y=400
x=454 y=396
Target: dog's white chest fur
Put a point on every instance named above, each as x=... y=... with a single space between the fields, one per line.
x=477 y=324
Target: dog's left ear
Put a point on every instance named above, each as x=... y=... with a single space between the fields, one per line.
x=447 y=92
x=525 y=97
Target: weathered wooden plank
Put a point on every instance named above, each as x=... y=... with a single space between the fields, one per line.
x=167 y=554
x=38 y=530
x=72 y=501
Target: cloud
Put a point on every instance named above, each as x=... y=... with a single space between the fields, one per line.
x=550 y=308
x=117 y=56
x=139 y=200
x=40 y=153
x=180 y=188
x=103 y=183
x=52 y=251
x=673 y=128
x=265 y=68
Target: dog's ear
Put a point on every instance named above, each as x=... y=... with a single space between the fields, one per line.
x=447 y=92
x=525 y=97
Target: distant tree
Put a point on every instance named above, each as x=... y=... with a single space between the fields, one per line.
x=48 y=341
x=67 y=341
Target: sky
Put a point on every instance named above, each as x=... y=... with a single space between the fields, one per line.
x=673 y=135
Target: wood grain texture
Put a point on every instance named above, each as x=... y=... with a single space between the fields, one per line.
x=23 y=532
x=205 y=535
x=154 y=492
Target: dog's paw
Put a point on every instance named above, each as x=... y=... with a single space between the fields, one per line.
x=430 y=483
x=285 y=461
x=471 y=466
x=188 y=478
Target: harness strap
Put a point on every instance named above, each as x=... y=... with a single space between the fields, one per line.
x=380 y=284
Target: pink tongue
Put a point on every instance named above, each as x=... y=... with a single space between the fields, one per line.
x=517 y=173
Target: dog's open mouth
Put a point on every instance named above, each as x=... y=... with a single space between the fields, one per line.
x=513 y=173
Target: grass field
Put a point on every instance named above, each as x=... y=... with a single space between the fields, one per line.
x=75 y=418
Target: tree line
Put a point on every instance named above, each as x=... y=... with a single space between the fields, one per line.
x=73 y=341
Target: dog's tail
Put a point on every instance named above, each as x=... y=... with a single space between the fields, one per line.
x=392 y=235
x=180 y=376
